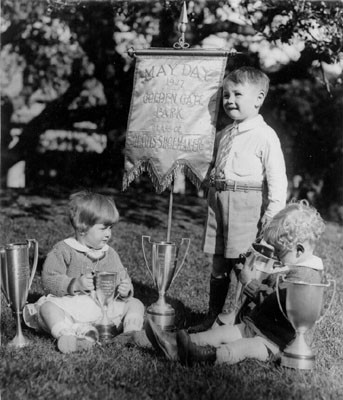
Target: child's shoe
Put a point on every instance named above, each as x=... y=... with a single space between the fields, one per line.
x=79 y=337
x=70 y=343
x=134 y=338
x=140 y=339
x=163 y=341
x=123 y=338
x=86 y=330
x=189 y=352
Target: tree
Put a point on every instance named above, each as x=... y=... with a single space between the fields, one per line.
x=298 y=43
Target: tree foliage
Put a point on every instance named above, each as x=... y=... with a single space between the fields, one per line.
x=67 y=60
x=318 y=23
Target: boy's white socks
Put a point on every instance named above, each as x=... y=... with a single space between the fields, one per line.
x=239 y=350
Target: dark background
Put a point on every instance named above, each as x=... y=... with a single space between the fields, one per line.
x=66 y=63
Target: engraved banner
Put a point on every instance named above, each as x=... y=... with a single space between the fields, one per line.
x=172 y=119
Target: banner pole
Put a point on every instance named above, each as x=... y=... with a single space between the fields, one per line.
x=170 y=210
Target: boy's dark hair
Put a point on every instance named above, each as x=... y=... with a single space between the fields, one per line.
x=87 y=209
x=249 y=75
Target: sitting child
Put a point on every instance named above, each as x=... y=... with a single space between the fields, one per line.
x=70 y=309
x=293 y=232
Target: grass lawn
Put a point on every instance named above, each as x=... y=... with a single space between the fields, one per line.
x=114 y=371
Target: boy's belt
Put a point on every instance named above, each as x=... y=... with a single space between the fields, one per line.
x=222 y=185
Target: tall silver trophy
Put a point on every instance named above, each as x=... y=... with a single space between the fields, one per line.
x=163 y=268
x=16 y=280
x=303 y=308
x=105 y=287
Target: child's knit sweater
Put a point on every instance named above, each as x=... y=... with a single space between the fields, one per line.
x=64 y=264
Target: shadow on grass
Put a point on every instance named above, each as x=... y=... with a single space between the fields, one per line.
x=184 y=316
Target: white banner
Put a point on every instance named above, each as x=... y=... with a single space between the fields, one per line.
x=172 y=119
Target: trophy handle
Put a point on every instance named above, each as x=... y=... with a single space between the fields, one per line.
x=35 y=258
x=331 y=300
x=144 y=255
x=278 y=294
x=3 y=265
x=183 y=258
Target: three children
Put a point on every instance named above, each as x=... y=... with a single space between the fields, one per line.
x=247 y=191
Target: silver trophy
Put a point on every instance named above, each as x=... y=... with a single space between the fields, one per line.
x=16 y=280
x=303 y=309
x=164 y=268
x=105 y=287
x=260 y=259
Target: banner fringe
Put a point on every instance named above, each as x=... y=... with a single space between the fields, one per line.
x=161 y=184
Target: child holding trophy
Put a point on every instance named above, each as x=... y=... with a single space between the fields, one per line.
x=247 y=184
x=293 y=232
x=72 y=307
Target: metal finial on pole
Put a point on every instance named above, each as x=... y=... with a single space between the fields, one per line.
x=181 y=44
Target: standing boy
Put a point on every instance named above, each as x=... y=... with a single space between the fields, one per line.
x=248 y=183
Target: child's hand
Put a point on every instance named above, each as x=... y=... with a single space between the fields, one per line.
x=246 y=275
x=124 y=287
x=265 y=221
x=86 y=282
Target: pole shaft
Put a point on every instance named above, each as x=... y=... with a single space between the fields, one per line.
x=170 y=211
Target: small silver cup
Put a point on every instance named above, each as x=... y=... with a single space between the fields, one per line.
x=164 y=269
x=16 y=280
x=106 y=284
x=303 y=308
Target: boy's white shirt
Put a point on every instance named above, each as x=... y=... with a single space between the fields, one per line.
x=255 y=155
x=73 y=243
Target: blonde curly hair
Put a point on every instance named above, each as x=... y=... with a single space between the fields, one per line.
x=296 y=223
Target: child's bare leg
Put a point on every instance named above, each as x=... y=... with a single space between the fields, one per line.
x=241 y=349
x=62 y=328
x=133 y=315
x=54 y=318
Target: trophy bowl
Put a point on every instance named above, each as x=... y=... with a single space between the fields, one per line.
x=303 y=308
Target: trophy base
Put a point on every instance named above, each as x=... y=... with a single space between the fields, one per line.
x=106 y=332
x=297 y=361
x=163 y=317
x=19 y=341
